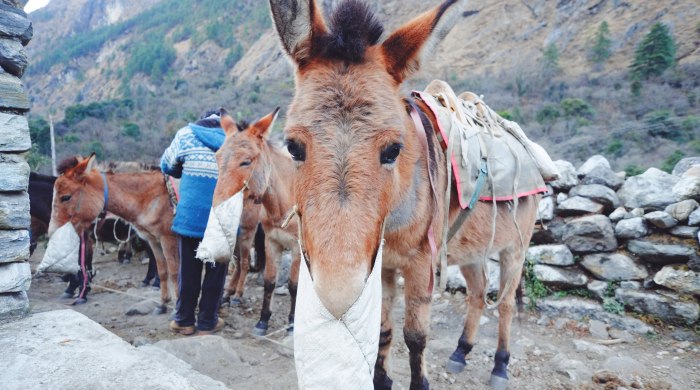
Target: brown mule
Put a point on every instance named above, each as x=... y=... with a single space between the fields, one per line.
x=363 y=164
x=249 y=162
x=140 y=198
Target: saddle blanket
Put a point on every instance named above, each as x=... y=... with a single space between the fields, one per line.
x=492 y=158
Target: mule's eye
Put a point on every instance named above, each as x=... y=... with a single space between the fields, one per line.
x=390 y=153
x=65 y=198
x=245 y=163
x=297 y=150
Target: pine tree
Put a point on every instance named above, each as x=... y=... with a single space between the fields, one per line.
x=655 y=54
x=600 y=52
x=550 y=60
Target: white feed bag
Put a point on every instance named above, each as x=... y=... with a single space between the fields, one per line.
x=331 y=353
x=221 y=232
x=63 y=252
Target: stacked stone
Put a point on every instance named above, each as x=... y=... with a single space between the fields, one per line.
x=15 y=275
x=633 y=240
x=641 y=233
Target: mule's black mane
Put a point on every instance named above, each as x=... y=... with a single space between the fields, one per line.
x=66 y=164
x=352 y=28
x=213 y=123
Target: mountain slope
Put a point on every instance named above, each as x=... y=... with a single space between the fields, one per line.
x=173 y=59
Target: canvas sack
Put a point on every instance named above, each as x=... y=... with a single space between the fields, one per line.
x=222 y=230
x=337 y=353
x=63 y=252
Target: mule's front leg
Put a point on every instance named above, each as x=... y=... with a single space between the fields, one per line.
x=293 y=283
x=381 y=372
x=476 y=283
x=418 y=296
x=511 y=270
x=162 y=266
x=272 y=252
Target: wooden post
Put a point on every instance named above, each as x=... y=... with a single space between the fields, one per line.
x=53 y=147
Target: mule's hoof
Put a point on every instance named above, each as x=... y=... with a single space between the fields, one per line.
x=79 y=301
x=498 y=383
x=66 y=295
x=382 y=382
x=235 y=301
x=260 y=329
x=290 y=329
x=455 y=367
x=160 y=309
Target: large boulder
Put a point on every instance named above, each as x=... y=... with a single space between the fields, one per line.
x=592 y=163
x=614 y=266
x=604 y=176
x=545 y=210
x=618 y=214
x=549 y=234
x=15 y=245
x=13 y=57
x=668 y=307
x=650 y=190
x=580 y=309
x=561 y=277
x=456 y=281
x=567 y=176
x=660 y=219
x=684 y=231
x=15 y=277
x=688 y=187
x=681 y=211
x=592 y=233
x=559 y=255
x=577 y=205
x=694 y=218
x=631 y=228
x=662 y=254
x=685 y=164
x=598 y=193
x=679 y=278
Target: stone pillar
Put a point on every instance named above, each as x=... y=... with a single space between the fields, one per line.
x=15 y=275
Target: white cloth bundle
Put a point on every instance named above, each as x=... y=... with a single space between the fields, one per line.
x=221 y=232
x=331 y=353
x=63 y=252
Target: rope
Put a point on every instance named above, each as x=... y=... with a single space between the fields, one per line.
x=114 y=231
x=127 y=294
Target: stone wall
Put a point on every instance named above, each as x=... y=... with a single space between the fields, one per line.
x=607 y=242
x=15 y=274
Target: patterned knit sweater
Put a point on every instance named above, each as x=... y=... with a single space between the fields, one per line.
x=190 y=157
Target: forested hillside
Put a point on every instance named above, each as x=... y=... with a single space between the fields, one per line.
x=611 y=77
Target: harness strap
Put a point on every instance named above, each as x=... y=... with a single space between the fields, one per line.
x=465 y=213
x=105 y=192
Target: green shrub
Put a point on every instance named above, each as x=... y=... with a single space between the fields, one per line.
x=672 y=160
x=234 y=55
x=534 y=288
x=132 y=130
x=612 y=305
x=615 y=148
x=220 y=32
x=505 y=114
x=547 y=116
x=660 y=124
x=550 y=60
x=94 y=146
x=40 y=134
x=633 y=170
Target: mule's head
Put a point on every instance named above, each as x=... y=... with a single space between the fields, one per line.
x=244 y=159
x=78 y=195
x=349 y=131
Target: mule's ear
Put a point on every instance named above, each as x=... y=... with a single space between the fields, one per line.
x=409 y=46
x=228 y=124
x=262 y=127
x=298 y=22
x=84 y=166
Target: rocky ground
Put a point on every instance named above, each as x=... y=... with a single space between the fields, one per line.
x=548 y=352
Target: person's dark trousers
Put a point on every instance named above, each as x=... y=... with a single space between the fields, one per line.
x=189 y=278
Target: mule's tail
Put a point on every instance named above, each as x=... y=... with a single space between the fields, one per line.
x=259 y=245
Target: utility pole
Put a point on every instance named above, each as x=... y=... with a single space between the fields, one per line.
x=53 y=147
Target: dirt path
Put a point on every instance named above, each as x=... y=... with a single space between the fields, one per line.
x=542 y=357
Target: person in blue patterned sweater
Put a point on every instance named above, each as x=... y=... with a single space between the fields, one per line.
x=190 y=157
